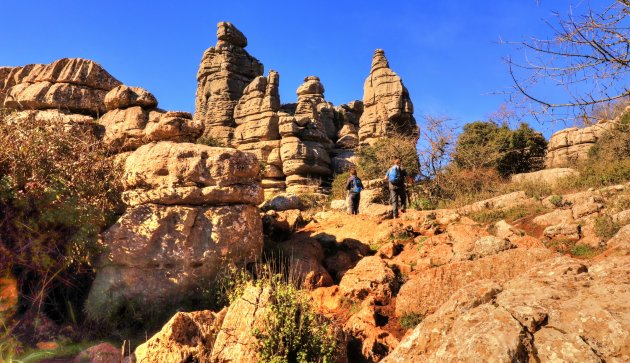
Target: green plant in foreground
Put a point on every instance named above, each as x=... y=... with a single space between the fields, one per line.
x=292 y=331
x=410 y=320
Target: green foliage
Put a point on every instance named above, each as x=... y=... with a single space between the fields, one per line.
x=226 y=287
x=58 y=191
x=410 y=320
x=422 y=204
x=605 y=227
x=485 y=144
x=210 y=141
x=556 y=200
x=339 y=186
x=583 y=251
x=313 y=200
x=376 y=159
x=292 y=331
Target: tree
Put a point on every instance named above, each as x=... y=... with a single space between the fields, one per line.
x=485 y=144
x=588 y=57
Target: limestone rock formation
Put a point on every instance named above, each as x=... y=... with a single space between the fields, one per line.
x=183 y=173
x=125 y=96
x=305 y=145
x=186 y=337
x=387 y=106
x=428 y=289
x=547 y=176
x=568 y=146
x=225 y=71
x=560 y=310
x=193 y=208
x=72 y=84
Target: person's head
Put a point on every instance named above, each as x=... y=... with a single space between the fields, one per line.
x=353 y=171
x=397 y=161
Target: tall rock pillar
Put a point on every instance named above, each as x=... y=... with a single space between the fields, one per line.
x=225 y=70
x=387 y=106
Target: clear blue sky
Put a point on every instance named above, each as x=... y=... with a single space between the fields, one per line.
x=446 y=51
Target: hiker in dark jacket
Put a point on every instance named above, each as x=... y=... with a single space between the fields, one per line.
x=396 y=176
x=354 y=187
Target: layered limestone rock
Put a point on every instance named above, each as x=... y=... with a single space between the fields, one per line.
x=568 y=146
x=257 y=130
x=305 y=145
x=70 y=84
x=560 y=310
x=133 y=119
x=387 y=106
x=193 y=208
x=225 y=71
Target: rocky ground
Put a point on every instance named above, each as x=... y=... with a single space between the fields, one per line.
x=439 y=286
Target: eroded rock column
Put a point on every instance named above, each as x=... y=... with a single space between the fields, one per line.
x=225 y=70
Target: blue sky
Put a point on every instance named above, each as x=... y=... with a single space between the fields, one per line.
x=447 y=52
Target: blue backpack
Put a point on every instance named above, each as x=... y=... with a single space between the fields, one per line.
x=394 y=175
x=357 y=185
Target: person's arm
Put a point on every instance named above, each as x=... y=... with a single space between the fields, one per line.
x=349 y=184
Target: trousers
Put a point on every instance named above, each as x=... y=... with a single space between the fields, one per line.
x=397 y=198
x=354 y=200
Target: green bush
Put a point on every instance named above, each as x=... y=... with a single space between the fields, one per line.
x=292 y=331
x=339 y=186
x=410 y=320
x=210 y=141
x=583 y=251
x=556 y=200
x=605 y=227
x=485 y=144
x=58 y=191
x=376 y=159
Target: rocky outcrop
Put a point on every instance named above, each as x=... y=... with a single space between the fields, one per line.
x=193 y=208
x=133 y=119
x=426 y=290
x=547 y=176
x=559 y=310
x=257 y=130
x=225 y=71
x=387 y=106
x=568 y=146
x=305 y=145
x=71 y=84
x=186 y=337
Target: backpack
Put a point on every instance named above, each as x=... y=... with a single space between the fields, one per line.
x=357 y=185
x=395 y=176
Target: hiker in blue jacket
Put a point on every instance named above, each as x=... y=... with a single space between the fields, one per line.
x=354 y=186
x=396 y=178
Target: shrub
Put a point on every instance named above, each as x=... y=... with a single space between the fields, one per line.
x=410 y=320
x=463 y=186
x=292 y=331
x=374 y=160
x=313 y=200
x=605 y=227
x=485 y=144
x=583 y=251
x=339 y=186
x=556 y=200
x=210 y=141
x=58 y=191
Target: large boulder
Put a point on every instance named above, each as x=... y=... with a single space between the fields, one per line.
x=568 y=146
x=126 y=129
x=186 y=337
x=371 y=277
x=184 y=173
x=126 y=96
x=162 y=256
